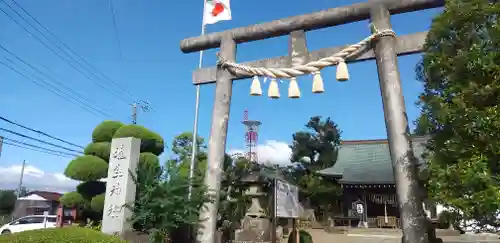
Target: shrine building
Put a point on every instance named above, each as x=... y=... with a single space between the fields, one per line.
x=364 y=171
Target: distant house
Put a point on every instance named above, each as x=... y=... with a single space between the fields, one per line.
x=36 y=203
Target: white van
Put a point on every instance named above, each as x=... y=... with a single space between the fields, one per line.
x=32 y=222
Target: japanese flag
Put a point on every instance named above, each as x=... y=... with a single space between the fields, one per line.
x=215 y=11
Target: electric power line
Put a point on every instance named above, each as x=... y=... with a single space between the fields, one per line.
x=118 y=42
x=41 y=85
x=98 y=109
x=50 y=74
x=37 y=150
x=58 y=54
x=69 y=48
x=39 y=140
x=39 y=132
x=38 y=147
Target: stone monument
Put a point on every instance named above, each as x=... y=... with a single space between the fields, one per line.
x=120 y=186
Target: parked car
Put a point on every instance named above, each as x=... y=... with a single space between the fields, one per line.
x=32 y=222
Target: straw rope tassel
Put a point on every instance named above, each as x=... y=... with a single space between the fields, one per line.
x=317 y=83
x=273 y=92
x=255 y=88
x=342 y=72
x=293 y=89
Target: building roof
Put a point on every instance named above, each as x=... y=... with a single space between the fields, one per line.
x=368 y=161
x=32 y=197
x=49 y=196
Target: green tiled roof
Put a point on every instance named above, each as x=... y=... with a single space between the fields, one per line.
x=367 y=162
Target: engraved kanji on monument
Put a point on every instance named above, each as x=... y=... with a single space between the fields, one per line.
x=120 y=187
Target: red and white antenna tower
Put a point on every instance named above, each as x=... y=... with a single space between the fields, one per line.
x=251 y=137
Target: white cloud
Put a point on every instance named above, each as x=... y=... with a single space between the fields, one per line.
x=35 y=179
x=272 y=151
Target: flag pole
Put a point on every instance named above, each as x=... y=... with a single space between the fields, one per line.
x=194 y=143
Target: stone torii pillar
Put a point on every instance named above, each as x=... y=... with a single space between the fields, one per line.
x=403 y=159
x=217 y=141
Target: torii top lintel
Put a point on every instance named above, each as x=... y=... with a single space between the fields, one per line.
x=318 y=20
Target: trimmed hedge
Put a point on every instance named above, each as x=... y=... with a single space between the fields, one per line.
x=151 y=142
x=149 y=164
x=71 y=199
x=100 y=149
x=105 y=131
x=97 y=203
x=60 y=235
x=90 y=189
x=149 y=160
x=87 y=168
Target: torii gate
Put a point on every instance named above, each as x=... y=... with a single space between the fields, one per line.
x=386 y=49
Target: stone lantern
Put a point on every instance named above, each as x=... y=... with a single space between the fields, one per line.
x=256 y=224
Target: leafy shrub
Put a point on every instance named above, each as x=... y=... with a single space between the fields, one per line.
x=100 y=149
x=151 y=141
x=90 y=189
x=448 y=218
x=95 y=225
x=149 y=160
x=149 y=164
x=87 y=168
x=162 y=208
x=304 y=237
x=7 y=201
x=60 y=235
x=105 y=131
x=71 y=199
x=97 y=203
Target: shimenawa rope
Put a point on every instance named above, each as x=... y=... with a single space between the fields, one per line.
x=311 y=67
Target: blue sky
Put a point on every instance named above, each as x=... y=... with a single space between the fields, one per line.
x=156 y=70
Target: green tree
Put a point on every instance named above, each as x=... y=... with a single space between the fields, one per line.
x=314 y=149
x=8 y=200
x=182 y=146
x=234 y=169
x=181 y=154
x=232 y=201
x=422 y=125
x=460 y=108
x=162 y=208
x=91 y=167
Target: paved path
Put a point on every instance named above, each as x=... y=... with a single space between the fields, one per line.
x=320 y=236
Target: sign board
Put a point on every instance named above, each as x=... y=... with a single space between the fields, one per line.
x=120 y=187
x=359 y=208
x=286 y=201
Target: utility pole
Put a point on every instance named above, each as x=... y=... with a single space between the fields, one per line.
x=145 y=107
x=134 y=113
x=21 y=180
x=1 y=145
